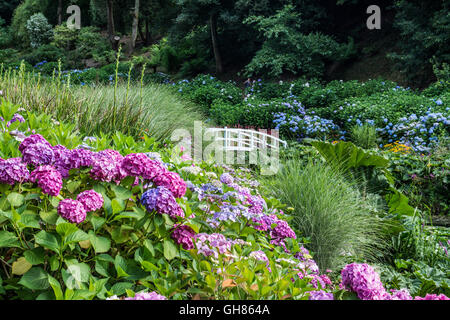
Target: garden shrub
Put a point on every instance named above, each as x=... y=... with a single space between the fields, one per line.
x=5 y=34
x=91 y=44
x=8 y=55
x=47 y=52
x=39 y=30
x=64 y=37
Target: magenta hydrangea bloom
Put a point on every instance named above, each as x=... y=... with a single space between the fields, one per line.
x=147 y=296
x=401 y=295
x=135 y=164
x=282 y=230
x=364 y=281
x=91 y=200
x=13 y=171
x=162 y=201
x=38 y=154
x=173 y=182
x=320 y=295
x=80 y=158
x=33 y=139
x=48 y=179
x=72 y=210
x=106 y=166
x=433 y=297
x=62 y=161
x=183 y=235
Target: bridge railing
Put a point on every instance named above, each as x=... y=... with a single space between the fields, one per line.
x=245 y=139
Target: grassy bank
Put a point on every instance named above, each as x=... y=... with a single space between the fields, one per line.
x=133 y=109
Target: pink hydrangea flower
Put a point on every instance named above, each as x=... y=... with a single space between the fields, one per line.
x=38 y=154
x=433 y=297
x=33 y=139
x=363 y=280
x=183 y=235
x=72 y=210
x=147 y=296
x=106 y=166
x=13 y=171
x=48 y=179
x=80 y=158
x=173 y=182
x=320 y=295
x=91 y=200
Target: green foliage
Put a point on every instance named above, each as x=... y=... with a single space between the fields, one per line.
x=424 y=34
x=5 y=34
x=287 y=49
x=424 y=179
x=47 y=52
x=364 y=136
x=91 y=44
x=346 y=155
x=64 y=37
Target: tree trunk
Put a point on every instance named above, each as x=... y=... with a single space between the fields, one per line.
x=147 y=32
x=59 y=12
x=141 y=34
x=134 y=28
x=110 y=15
x=217 y=57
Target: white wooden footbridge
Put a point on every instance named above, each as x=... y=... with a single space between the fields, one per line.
x=236 y=139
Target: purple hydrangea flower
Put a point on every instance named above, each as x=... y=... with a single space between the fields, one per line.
x=62 y=161
x=320 y=295
x=38 y=154
x=72 y=210
x=214 y=244
x=301 y=255
x=136 y=164
x=33 y=139
x=226 y=178
x=282 y=230
x=48 y=179
x=13 y=171
x=173 y=182
x=433 y=297
x=106 y=166
x=162 y=201
x=16 y=117
x=91 y=200
x=147 y=296
x=183 y=235
x=400 y=295
x=363 y=280
x=81 y=158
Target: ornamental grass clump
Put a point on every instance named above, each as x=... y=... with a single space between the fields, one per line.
x=329 y=211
